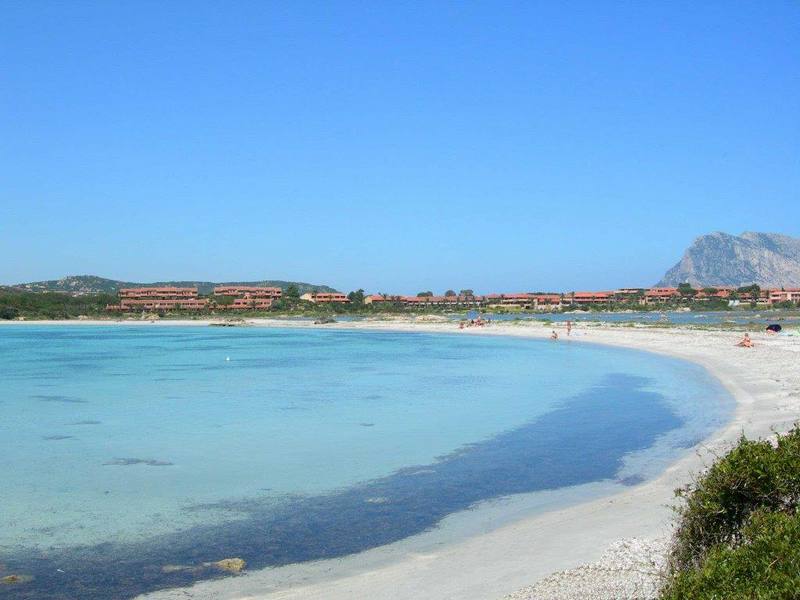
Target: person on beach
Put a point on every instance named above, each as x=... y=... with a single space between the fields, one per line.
x=569 y=328
x=745 y=342
x=554 y=335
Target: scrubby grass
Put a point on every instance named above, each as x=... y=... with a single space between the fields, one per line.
x=738 y=532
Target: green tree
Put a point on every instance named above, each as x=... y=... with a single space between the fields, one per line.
x=357 y=297
x=449 y=293
x=467 y=293
x=424 y=294
x=8 y=312
x=751 y=293
x=686 y=290
x=754 y=291
x=292 y=292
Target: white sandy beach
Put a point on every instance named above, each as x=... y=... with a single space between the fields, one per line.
x=508 y=545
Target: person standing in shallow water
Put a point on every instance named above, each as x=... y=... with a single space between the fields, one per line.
x=569 y=328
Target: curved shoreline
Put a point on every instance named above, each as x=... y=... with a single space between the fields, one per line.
x=507 y=548
x=501 y=558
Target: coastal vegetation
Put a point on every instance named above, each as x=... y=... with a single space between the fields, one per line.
x=14 y=304
x=738 y=533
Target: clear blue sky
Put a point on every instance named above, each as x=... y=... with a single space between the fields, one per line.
x=395 y=146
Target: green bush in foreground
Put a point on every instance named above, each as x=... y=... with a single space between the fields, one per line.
x=754 y=475
x=765 y=566
x=738 y=532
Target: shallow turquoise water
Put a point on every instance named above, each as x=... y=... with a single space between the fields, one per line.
x=123 y=434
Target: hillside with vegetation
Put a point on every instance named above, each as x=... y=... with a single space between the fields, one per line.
x=79 y=285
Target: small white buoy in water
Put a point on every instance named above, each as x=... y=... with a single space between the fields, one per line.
x=227 y=358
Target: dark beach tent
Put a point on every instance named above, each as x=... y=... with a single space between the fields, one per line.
x=774 y=327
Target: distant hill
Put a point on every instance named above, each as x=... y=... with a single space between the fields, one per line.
x=768 y=259
x=79 y=285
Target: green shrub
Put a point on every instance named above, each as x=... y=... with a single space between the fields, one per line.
x=765 y=566
x=752 y=476
x=738 y=533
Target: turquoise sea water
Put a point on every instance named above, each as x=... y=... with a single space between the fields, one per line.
x=139 y=446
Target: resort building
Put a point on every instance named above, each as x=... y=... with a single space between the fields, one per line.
x=523 y=300
x=630 y=295
x=382 y=299
x=784 y=295
x=325 y=297
x=547 y=301
x=446 y=301
x=247 y=297
x=157 y=304
x=158 y=299
x=248 y=291
x=247 y=304
x=661 y=295
x=583 y=298
x=162 y=293
x=714 y=294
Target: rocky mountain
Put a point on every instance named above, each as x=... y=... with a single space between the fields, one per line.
x=768 y=259
x=79 y=285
